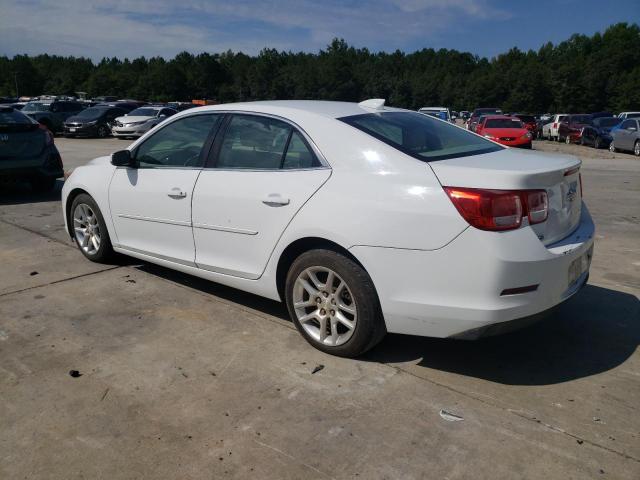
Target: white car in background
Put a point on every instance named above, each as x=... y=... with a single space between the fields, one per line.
x=364 y=219
x=550 y=130
x=139 y=121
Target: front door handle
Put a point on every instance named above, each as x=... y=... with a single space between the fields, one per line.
x=275 y=200
x=176 y=192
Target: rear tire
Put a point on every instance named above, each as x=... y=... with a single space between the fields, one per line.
x=636 y=148
x=567 y=140
x=333 y=303
x=597 y=143
x=612 y=147
x=89 y=230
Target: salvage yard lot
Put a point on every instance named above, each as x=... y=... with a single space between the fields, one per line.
x=182 y=378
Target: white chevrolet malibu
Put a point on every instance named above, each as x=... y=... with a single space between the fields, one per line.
x=364 y=219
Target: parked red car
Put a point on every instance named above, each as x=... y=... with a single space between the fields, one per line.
x=570 y=129
x=508 y=131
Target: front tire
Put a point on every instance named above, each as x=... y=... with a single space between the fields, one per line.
x=102 y=132
x=636 y=148
x=612 y=147
x=333 y=303
x=597 y=143
x=567 y=140
x=89 y=229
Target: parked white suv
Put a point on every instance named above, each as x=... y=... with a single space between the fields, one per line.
x=364 y=219
x=550 y=130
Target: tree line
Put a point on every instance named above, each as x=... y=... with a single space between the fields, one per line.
x=581 y=74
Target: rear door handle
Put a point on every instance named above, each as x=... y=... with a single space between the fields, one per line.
x=275 y=200
x=176 y=192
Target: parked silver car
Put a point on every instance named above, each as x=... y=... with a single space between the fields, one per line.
x=139 y=121
x=626 y=137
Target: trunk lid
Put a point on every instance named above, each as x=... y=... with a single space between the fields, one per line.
x=21 y=141
x=512 y=169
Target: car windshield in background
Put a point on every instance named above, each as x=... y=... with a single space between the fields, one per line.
x=421 y=136
x=581 y=119
x=91 y=113
x=606 y=122
x=144 y=112
x=36 y=107
x=503 y=123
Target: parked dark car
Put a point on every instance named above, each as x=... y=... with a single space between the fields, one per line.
x=126 y=106
x=52 y=113
x=570 y=129
x=105 y=98
x=27 y=151
x=92 y=122
x=477 y=113
x=627 y=137
x=529 y=122
x=598 y=134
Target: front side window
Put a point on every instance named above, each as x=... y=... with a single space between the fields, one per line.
x=421 y=136
x=179 y=143
x=628 y=123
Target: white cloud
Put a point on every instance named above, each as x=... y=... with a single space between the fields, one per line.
x=164 y=27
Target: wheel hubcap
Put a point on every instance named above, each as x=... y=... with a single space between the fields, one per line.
x=86 y=229
x=324 y=306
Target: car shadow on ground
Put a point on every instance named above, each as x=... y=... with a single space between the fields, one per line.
x=19 y=193
x=593 y=332
x=261 y=304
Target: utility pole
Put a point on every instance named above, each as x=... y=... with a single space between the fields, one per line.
x=15 y=78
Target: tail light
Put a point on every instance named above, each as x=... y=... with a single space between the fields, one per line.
x=47 y=134
x=555 y=125
x=499 y=210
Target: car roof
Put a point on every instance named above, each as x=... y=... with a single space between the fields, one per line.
x=296 y=108
x=497 y=117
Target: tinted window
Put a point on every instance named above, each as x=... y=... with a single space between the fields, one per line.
x=580 y=119
x=36 y=107
x=527 y=118
x=179 y=143
x=13 y=117
x=253 y=142
x=628 y=123
x=299 y=155
x=144 y=112
x=421 y=136
x=92 y=113
x=606 y=122
x=503 y=123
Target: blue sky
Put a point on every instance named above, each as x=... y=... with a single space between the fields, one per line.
x=131 y=28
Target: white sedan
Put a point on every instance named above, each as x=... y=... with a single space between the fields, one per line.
x=364 y=219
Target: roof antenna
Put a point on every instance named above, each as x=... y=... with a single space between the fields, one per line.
x=373 y=103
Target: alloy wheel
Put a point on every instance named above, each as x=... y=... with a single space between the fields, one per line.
x=325 y=306
x=86 y=229
x=636 y=149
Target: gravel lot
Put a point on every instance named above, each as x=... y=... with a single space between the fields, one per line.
x=181 y=378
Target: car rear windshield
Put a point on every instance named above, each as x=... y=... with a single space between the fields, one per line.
x=581 y=119
x=606 y=122
x=421 y=136
x=503 y=123
x=14 y=120
x=144 y=112
x=36 y=107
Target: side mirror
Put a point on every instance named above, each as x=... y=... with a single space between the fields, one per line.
x=122 y=158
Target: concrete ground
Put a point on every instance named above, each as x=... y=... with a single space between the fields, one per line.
x=182 y=378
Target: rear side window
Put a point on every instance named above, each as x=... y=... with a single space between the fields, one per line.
x=178 y=144
x=421 y=136
x=263 y=143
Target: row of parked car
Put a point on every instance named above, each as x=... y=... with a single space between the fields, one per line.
x=120 y=118
x=599 y=130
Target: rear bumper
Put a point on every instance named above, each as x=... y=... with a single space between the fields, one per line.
x=460 y=287
x=47 y=164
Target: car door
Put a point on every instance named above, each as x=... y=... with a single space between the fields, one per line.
x=623 y=135
x=151 y=203
x=263 y=170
